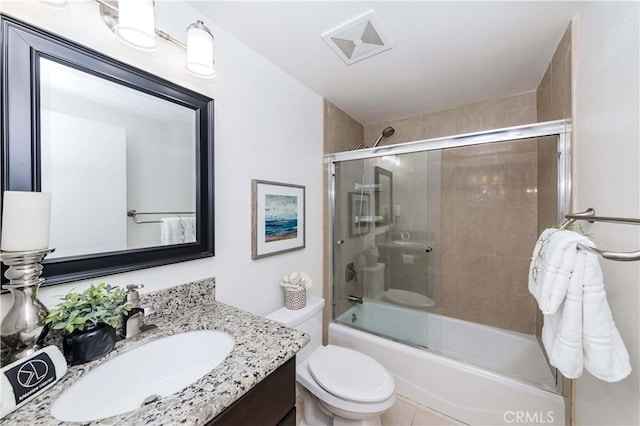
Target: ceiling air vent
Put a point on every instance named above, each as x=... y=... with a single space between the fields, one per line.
x=358 y=39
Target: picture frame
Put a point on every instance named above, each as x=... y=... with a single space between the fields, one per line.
x=278 y=218
x=359 y=205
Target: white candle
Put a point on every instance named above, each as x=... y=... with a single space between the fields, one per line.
x=26 y=217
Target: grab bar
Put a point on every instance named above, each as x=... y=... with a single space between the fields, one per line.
x=590 y=216
x=134 y=215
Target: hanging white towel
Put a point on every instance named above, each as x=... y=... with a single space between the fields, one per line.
x=177 y=230
x=580 y=333
x=562 y=331
x=605 y=355
x=554 y=258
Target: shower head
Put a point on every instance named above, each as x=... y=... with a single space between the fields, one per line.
x=387 y=132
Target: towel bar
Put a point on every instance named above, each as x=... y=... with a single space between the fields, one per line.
x=590 y=215
x=613 y=255
x=134 y=214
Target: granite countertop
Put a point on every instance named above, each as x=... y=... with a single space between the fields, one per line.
x=261 y=346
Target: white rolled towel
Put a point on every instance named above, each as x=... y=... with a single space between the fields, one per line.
x=23 y=380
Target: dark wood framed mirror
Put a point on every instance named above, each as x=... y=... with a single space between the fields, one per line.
x=383 y=180
x=105 y=138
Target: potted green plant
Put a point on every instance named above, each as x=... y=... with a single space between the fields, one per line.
x=89 y=321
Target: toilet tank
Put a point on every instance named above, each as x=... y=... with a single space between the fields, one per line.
x=307 y=320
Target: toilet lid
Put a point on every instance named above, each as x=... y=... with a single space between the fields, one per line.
x=350 y=375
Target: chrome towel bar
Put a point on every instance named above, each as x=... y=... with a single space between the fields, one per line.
x=590 y=215
x=621 y=256
x=134 y=215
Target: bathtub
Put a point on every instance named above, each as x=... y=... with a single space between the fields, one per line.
x=477 y=374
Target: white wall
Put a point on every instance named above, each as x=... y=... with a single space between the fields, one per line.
x=607 y=178
x=267 y=126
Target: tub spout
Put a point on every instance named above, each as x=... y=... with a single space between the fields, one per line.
x=356 y=299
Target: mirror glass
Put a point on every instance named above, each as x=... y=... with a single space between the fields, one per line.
x=383 y=179
x=107 y=149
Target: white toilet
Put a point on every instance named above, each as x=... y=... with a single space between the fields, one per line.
x=339 y=386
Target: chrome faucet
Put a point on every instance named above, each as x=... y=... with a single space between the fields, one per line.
x=131 y=320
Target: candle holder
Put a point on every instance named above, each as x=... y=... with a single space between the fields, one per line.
x=23 y=324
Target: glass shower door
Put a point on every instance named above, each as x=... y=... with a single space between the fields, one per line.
x=387 y=224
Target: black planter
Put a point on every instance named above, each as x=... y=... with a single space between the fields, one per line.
x=88 y=344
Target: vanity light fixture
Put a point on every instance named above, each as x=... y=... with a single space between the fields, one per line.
x=136 y=24
x=133 y=22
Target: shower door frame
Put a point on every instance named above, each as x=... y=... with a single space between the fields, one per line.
x=558 y=128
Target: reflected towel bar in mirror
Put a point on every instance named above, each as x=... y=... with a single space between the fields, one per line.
x=134 y=214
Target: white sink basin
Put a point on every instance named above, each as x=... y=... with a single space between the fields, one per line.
x=158 y=368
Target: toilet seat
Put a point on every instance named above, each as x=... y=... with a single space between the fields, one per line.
x=350 y=375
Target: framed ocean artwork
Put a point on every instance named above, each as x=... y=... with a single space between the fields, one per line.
x=277 y=218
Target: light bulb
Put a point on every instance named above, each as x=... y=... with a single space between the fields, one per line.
x=200 y=51
x=136 y=24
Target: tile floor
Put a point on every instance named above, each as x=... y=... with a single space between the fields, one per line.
x=404 y=413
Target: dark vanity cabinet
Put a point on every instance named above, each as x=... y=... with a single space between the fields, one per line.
x=270 y=403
